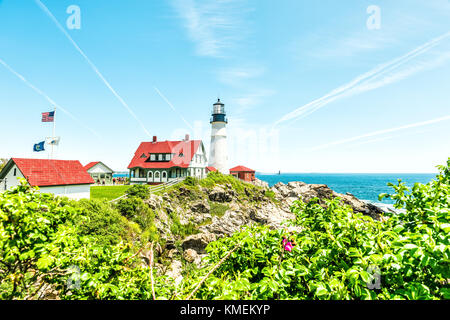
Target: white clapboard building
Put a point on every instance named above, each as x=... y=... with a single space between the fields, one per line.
x=101 y=173
x=65 y=178
x=163 y=161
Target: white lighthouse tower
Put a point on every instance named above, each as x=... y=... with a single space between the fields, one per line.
x=219 y=154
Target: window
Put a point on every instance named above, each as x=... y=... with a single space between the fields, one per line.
x=164 y=175
x=157 y=175
x=168 y=156
x=15 y=172
x=152 y=157
x=160 y=157
x=143 y=155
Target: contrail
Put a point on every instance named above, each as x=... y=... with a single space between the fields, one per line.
x=360 y=83
x=41 y=93
x=381 y=132
x=91 y=64
x=173 y=108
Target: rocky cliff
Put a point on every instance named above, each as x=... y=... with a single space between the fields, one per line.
x=221 y=210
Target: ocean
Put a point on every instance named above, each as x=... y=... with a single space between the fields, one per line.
x=364 y=186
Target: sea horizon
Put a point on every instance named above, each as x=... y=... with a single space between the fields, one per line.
x=364 y=186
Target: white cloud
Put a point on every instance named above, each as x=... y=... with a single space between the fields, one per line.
x=214 y=26
x=251 y=100
x=381 y=132
x=417 y=60
x=236 y=76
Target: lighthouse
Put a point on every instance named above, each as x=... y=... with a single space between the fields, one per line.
x=219 y=154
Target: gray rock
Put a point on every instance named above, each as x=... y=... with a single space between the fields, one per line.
x=198 y=242
x=218 y=194
x=201 y=206
x=190 y=255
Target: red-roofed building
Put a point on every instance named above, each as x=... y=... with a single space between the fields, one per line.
x=162 y=161
x=243 y=173
x=61 y=177
x=101 y=173
x=210 y=169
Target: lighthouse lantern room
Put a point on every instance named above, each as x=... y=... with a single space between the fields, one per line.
x=219 y=153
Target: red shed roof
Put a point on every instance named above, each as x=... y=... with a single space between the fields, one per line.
x=182 y=151
x=90 y=165
x=241 y=169
x=211 y=168
x=45 y=172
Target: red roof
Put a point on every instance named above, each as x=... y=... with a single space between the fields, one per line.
x=45 y=172
x=185 y=148
x=90 y=165
x=211 y=169
x=241 y=169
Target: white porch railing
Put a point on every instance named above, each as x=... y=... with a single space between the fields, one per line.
x=138 y=180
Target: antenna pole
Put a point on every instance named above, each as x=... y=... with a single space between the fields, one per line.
x=54 y=127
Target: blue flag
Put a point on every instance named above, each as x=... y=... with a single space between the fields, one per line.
x=39 y=146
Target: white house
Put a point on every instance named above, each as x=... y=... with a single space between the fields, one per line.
x=61 y=177
x=162 y=161
x=100 y=172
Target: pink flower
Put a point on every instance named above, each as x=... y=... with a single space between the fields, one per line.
x=288 y=246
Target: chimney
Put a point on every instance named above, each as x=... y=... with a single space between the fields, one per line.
x=186 y=137
x=154 y=139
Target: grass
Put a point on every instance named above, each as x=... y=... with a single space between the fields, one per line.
x=218 y=209
x=108 y=192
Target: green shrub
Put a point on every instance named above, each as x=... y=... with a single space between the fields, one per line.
x=339 y=254
x=136 y=210
x=41 y=249
x=190 y=181
x=139 y=190
x=104 y=222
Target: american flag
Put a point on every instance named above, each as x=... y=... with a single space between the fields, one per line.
x=48 y=116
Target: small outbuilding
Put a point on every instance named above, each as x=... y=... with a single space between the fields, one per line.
x=65 y=178
x=210 y=169
x=101 y=173
x=243 y=173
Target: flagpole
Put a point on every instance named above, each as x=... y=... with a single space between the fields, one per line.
x=54 y=125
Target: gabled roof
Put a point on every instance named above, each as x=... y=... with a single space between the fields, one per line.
x=182 y=151
x=46 y=172
x=92 y=164
x=241 y=169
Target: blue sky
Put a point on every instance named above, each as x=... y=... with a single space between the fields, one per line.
x=307 y=85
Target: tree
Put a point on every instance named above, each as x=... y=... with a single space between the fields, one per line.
x=3 y=162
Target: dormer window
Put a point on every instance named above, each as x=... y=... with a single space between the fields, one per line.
x=152 y=157
x=168 y=157
x=143 y=156
x=160 y=157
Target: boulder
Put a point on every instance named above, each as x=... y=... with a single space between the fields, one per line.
x=219 y=194
x=190 y=255
x=287 y=194
x=198 y=242
x=201 y=206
